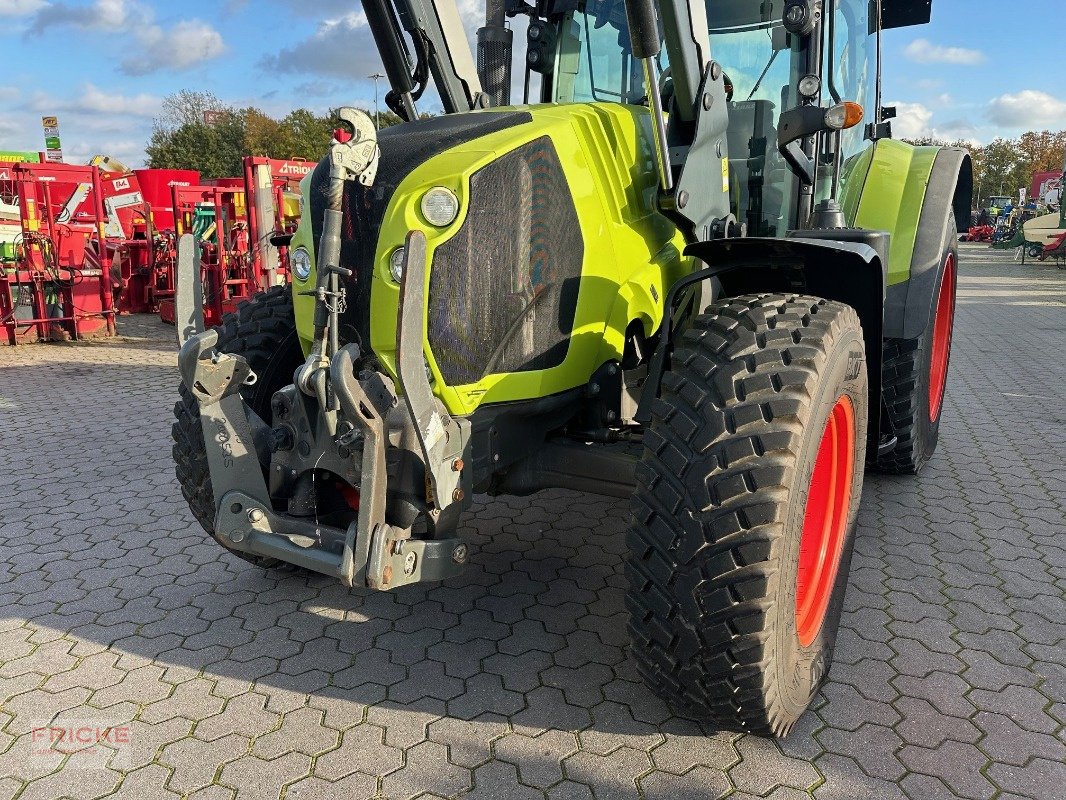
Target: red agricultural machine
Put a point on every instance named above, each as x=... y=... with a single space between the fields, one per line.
x=80 y=244
x=55 y=267
x=241 y=226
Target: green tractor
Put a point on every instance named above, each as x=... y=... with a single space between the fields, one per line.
x=691 y=269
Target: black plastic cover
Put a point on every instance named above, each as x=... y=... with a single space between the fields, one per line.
x=904 y=13
x=643 y=28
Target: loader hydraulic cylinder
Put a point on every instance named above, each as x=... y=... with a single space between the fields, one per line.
x=644 y=41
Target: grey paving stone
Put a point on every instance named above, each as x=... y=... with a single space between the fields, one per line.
x=427 y=769
x=699 y=783
x=514 y=681
x=959 y=766
x=762 y=767
x=1040 y=779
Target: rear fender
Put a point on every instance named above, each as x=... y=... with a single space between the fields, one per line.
x=909 y=192
x=909 y=305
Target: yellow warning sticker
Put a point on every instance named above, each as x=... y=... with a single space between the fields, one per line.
x=725 y=175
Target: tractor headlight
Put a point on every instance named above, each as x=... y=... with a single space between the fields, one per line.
x=440 y=206
x=396 y=264
x=809 y=86
x=301 y=263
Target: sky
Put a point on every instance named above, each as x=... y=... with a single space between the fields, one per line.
x=981 y=69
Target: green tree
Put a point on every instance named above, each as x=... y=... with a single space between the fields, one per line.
x=182 y=139
x=216 y=151
x=263 y=135
x=305 y=134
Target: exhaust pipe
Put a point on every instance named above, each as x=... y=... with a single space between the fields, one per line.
x=494 y=47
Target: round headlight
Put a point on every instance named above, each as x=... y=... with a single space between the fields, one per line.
x=809 y=86
x=396 y=264
x=301 y=263
x=440 y=206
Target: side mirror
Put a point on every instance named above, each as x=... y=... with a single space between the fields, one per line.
x=900 y=13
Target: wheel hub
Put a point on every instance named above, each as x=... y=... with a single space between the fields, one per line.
x=825 y=520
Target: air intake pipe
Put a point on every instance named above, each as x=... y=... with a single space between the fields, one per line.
x=494 y=47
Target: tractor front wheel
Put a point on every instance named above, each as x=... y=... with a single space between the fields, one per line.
x=745 y=509
x=263 y=330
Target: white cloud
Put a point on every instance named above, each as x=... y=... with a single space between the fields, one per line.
x=925 y=52
x=341 y=47
x=1027 y=110
x=93 y=100
x=912 y=120
x=20 y=8
x=344 y=47
x=9 y=94
x=915 y=120
x=103 y=15
x=186 y=44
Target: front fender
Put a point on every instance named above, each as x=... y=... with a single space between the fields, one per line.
x=851 y=272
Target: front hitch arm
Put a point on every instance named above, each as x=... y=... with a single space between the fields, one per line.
x=440 y=438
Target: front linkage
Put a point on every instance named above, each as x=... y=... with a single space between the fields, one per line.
x=333 y=421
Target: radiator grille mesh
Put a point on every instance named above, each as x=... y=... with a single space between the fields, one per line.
x=503 y=291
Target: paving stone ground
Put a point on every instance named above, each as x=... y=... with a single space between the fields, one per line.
x=226 y=680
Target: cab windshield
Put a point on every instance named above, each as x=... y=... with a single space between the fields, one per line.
x=762 y=63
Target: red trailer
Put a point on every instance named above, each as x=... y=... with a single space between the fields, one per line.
x=146 y=253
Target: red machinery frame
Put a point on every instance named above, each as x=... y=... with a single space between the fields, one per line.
x=244 y=258
x=145 y=255
x=226 y=271
x=62 y=249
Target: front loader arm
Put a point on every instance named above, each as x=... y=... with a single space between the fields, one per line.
x=441 y=47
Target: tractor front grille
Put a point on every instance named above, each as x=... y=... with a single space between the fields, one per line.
x=403 y=149
x=503 y=291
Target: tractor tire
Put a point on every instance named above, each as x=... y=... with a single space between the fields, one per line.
x=263 y=330
x=914 y=375
x=745 y=507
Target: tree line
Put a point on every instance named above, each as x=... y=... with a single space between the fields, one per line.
x=196 y=130
x=1003 y=166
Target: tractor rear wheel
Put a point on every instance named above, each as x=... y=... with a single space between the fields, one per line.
x=745 y=508
x=915 y=372
x=263 y=330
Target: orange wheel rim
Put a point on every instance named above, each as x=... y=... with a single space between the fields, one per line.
x=825 y=520
x=942 y=327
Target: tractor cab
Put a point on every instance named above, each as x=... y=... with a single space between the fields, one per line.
x=588 y=58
